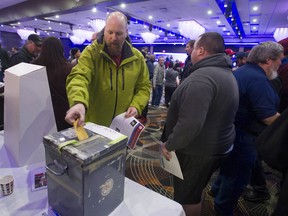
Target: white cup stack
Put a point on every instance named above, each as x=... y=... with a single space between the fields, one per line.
x=7 y=185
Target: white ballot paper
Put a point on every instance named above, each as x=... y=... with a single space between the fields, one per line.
x=130 y=127
x=172 y=166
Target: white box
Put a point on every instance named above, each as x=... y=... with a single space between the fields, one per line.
x=28 y=113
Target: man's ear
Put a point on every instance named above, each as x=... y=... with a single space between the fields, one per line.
x=201 y=50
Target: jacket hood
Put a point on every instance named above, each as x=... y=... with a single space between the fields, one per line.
x=216 y=60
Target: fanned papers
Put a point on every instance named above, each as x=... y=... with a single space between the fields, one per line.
x=130 y=127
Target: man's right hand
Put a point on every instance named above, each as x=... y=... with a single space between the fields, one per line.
x=76 y=112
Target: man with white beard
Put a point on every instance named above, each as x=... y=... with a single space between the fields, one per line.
x=258 y=105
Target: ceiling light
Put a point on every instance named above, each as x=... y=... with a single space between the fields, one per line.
x=255 y=8
x=209 y=12
x=77 y=40
x=80 y=33
x=280 y=33
x=98 y=24
x=190 y=29
x=149 y=37
x=24 y=33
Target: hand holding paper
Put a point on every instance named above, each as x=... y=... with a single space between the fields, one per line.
x=172 y=165
x=130 y=127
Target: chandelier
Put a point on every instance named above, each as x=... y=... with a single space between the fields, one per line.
x=190 y=29
x=24 y=33
x=280 y=33
x=80 y=33
x=149 y=37
x=97 y=24
x=77 y=40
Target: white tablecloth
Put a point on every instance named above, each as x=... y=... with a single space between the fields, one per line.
x=138 y=200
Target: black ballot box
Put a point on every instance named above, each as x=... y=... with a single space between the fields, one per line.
x=85 y=178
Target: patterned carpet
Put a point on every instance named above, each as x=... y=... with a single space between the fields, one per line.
x=142 y=165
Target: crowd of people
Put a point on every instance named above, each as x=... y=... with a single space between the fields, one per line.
x=214 y=113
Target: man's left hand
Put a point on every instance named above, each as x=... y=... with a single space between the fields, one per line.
x=165 y=152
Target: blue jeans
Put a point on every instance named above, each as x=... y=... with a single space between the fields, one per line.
x=235 y=173
x=157 y=94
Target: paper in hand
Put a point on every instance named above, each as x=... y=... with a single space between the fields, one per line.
x=80 y=131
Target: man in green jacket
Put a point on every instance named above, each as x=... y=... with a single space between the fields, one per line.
x=111 y=77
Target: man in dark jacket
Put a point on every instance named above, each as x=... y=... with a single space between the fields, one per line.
x=28 y=52
x=258 y=104
x=4 y=64
x=189 y=48
x=200 y=120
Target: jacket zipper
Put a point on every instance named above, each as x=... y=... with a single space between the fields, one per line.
x=123 y=79
x=111 y=80
x=116 y=88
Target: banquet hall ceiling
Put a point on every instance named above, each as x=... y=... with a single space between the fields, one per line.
x=253 y=25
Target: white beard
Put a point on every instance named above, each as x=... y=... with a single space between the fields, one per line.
x=273 y=75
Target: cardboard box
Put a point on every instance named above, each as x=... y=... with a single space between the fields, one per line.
x=28 y=113
x=85 y=178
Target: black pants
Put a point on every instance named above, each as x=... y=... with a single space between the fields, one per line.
x=168 y=94
x=282 y=207
x=257 y=179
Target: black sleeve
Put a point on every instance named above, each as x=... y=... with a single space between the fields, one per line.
x=17 y=58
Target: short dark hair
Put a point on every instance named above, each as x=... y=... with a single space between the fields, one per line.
x=212 y=42
x=191 y=43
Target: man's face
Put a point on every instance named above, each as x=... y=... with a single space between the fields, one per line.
x=77 y=55
x=240 y=62
x=188 y=49
x=161 y=61
x=115 y=35
x=274 y=66
x=195 y=53
x=32 y=48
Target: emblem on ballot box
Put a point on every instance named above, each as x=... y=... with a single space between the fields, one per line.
x=107 y=187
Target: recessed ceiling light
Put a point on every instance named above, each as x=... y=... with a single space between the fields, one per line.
x=255 y=8
x=123 y=5
x=218 y=22
x=150 y=17
x=57 y=16
x=209 y=12
x=94 y=9
x=254 y=20
x=168 y=25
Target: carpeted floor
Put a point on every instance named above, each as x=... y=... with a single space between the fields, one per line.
x=142 y=165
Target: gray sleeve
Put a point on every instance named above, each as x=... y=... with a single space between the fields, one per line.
x=193 y=108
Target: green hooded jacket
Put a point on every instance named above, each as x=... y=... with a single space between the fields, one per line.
x=105 y=89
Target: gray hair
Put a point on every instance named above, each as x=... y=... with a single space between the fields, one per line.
x=265 y=51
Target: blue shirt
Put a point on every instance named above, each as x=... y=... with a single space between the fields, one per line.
x=257 y=98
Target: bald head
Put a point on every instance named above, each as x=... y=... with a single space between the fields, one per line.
x=115 y=33
x=119 y=16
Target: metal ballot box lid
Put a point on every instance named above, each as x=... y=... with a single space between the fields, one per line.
x=101 y=141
